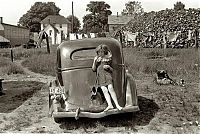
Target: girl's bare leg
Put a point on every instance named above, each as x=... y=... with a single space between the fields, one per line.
x=107 y=97
x=114 y=97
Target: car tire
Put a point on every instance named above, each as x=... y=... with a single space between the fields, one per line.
x=58 y=120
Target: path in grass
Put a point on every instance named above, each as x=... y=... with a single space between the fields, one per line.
x=33 y=113
x=28 y=76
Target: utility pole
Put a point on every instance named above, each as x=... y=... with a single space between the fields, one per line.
x=196 y=33
x=72 y=28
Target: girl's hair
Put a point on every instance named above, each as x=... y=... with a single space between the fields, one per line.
x=104 y=48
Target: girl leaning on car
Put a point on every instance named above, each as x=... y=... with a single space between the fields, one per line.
x=102 y=65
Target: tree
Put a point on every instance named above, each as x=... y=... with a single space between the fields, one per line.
x=37 y=13
x=76 y=24
x=132 y=8
x=179 y=6
x=97 y=20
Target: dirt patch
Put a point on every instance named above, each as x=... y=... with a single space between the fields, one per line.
x=16 y=93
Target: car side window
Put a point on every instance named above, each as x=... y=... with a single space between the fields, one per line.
x=83 y=54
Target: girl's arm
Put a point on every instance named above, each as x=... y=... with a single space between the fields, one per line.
x=94 y=68
x=111 y=69
x=108 y=67
x=95 y=62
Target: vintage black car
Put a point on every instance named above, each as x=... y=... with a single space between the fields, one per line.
x=70 y=94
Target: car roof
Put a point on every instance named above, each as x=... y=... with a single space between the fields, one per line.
x=89 y=43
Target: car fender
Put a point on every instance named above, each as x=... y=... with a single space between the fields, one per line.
x=131 y=91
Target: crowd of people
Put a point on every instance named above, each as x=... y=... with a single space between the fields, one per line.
x=170 y=27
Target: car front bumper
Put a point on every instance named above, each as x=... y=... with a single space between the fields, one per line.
x=94 y=115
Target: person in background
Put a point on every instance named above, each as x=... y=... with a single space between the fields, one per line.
x=42 y=35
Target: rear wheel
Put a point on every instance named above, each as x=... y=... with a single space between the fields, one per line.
x=58 y=120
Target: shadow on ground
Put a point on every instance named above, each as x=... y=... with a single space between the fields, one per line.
x=15 y=93
x=148 y=108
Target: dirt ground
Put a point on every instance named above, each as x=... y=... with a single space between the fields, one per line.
x=16 y=93
x=32 y=116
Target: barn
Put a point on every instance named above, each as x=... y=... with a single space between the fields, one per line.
x=17 y=35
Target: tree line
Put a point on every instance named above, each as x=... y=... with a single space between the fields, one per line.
x=95 y=21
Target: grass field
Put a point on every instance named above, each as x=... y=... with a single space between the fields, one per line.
x=176 y=104
x=37 y=60
x=42 y=62
x=179 y=63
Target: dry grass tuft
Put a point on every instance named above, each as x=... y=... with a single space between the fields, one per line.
x=8 y=67
x=13 y=69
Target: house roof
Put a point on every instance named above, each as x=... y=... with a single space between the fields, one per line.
x=14 y=26
x=114 y=19
x=55 y=19
x=3 y=39
x=50 y=25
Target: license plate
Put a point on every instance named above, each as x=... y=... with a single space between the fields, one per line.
x=56 y=90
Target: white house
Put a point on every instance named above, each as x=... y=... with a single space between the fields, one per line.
x=57 y=27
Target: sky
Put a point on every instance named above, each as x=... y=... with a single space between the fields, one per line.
x=12 y=10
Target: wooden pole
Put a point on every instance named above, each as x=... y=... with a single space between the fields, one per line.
x=196 y=32
x=47 y=40
x=1 y=87
x=72 y=28
x=11 y=55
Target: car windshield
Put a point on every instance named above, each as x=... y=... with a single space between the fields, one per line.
x=83 y=54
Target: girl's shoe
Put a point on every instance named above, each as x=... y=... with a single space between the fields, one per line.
x=119 y=108
x=108 y=108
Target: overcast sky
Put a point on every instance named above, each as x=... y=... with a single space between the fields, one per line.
x=12 y=10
